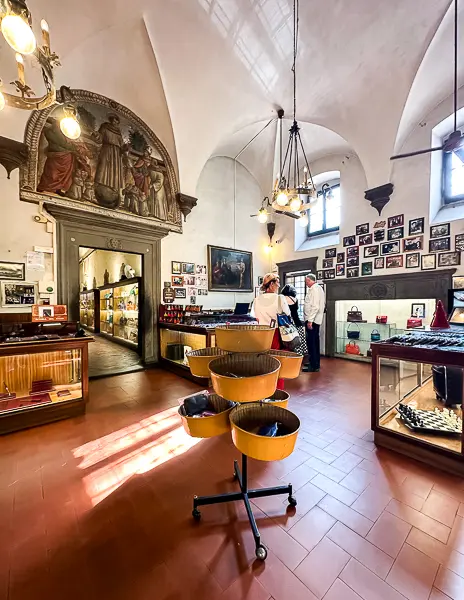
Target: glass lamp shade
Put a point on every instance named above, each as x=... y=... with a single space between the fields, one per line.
x=18 y=34
x=282 y=199
x=268 y=249
x=70 y=127
x=2 y=101
x=262 y=215
x=303 y=220
x=295 y=203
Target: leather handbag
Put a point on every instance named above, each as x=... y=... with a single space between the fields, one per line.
x=352 y=348
x=288 y=332
x=412 y=323
x=353 y=334
x=353 y=315
x=381 y=319
x=375 y=335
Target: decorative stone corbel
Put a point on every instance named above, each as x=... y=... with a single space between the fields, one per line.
x=379 y=197
x=13 y=154
x=186 y=203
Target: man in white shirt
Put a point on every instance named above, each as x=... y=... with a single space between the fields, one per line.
x=314 y=307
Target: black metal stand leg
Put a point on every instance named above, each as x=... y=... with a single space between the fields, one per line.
x=245 y=495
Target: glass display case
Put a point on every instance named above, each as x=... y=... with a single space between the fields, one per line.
x=417 y=394
x=89 y=310
x=120 y=311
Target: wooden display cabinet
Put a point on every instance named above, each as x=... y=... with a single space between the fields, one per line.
x=89 y=310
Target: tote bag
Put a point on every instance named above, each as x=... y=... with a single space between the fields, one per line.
x=288 y=332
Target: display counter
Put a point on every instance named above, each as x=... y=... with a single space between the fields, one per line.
x=120 y=305
x=417 y=394
x=89 y=310
x=42 y=380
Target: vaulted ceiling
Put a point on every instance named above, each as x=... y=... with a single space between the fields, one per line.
x=206 y=75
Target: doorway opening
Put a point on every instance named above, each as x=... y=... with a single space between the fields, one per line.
x=111 y=308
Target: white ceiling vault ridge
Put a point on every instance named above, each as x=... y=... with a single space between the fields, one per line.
x=206 y=75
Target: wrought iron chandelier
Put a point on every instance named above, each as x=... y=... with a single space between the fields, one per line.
x=290 y=194
x=16 y=27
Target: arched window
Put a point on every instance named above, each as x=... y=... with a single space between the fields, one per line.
x=453 y=176
x=324 y=214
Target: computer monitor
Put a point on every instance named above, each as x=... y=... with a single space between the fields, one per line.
x=242 y=308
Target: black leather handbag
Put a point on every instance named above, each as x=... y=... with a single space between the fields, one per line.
x=353 y=334
x=354 y=316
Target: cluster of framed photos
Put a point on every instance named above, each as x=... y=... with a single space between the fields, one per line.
x=188 y=281
x=389 y=248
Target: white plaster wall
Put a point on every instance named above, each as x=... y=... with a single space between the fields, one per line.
x=95 y=264
x=213 y=222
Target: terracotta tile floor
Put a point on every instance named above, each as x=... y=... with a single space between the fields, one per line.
x=100 y=506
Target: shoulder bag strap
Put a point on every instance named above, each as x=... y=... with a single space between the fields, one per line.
x=279 y=304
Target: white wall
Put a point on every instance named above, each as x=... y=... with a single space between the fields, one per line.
x=213 y=222
x=95 y=264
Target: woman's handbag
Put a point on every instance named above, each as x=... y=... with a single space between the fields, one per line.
x=353 y=315
x=353 y=334
x=288 y=332
x=381 y=320
x=352 y=348
x=375 y=335
x=412 y=323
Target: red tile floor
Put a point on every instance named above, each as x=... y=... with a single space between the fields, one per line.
x=100 y=506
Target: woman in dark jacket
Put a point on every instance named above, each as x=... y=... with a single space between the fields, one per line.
x=291 y=296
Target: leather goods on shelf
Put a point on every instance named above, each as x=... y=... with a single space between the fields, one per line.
x=353 y=334
x=352 y=348
x=412 y=323
x=175 y=351
x=353 y=315
x=375 y=335
x=381 y=319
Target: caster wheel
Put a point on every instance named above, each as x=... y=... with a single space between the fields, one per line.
x=261 y=552
x=292 y=501
x=196 y=514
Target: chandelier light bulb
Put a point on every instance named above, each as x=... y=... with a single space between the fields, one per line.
x=18 y=34
x=282 y=199
x=262 y=215
x=70 y=127
x=303 y=220
x=2 y=101
x=268 y=249
x=295 y=203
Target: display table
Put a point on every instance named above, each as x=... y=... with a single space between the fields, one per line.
x=42 y=381
x=409 y=382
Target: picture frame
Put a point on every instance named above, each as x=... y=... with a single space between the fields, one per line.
x=417 y=226
x=257 y=291
x=458 y=283
x=340 y=270
x=260 y=280
x=352 y=251
x=191 y=291
x=428 y=262
x=395 y=234
x=440 y=245
x=459 y=242
x=327 y=263
x=379 y=263
x=439 y=231
x=180 y=292
x=167 y=284
x=200 y=270
x=362 y=229
x=371 y=251
x=329 y=274
x=353 y=261
x=390 y=248
x=413 y=260
x=379 y=235
x=320 y=275
x=365 y=240
x=229 y=270
x=380 y=224
x=396 y=221
x=189 y=280
x=352 y=272
x=366 y=268
x=394 y=262
x=203 y=292
x=349 y=240
x=12 y=271
x=330 y=252
x=14 y=294
x=177 y=280
x=418 y=310
x=413 y=244
x=449 y=259
x=340 y=258
x=193 y=299
x=176 y=267
x=188 y=268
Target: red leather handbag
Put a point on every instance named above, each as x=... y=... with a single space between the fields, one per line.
x=352 y=348
x=381 y=320
x=412 y=323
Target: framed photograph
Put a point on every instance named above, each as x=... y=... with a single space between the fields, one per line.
x=176 y=267
x=189 y=280
x=191 y=291
x=390 y=248
x=416 y=226
x=365 y=240
x=379 y=224
x=394 y=262
x=379 y=235
x=370 y=251
x=353 y=262
x=459 y=242
x=428 y=262
x=366 y=268
x=458 y=283
x=177 y=281
x=396 y=221
x=167 y=284
x=352 y=251
x=396 y=233
x=413 y=260
x=362 y=229
x=353 y=272
x=188 y=268
x=439 y=231
x=331 y=253
x=441 y=245
x=180 y=293
x=418 y=310
x=12 y=271
x=340 y=270
x=193 y=299
x=202 y=292
x=340 y=257
x=201 y=281
x=329 y=274
x=18 y=294
x=413 y=244
x=320 y=275
x=379 y=263
x=260 y=280
x=449 y=259
x=349 y=240
x=327 y=263
x=229 y=270
x=200 y=270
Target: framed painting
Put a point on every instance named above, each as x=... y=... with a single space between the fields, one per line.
x=12 y=271
x=176 y=267
x=229 y=270
x=188 y=268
